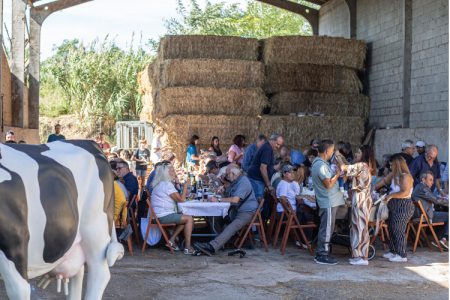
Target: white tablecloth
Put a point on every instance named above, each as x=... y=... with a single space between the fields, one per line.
x=213 y=209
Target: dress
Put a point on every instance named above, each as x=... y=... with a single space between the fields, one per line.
x=361 y=206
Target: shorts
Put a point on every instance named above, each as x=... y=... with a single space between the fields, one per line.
x=170 y=218
x=141 y=173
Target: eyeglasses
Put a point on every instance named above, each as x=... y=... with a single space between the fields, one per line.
x=428 y=157
x=118 y=168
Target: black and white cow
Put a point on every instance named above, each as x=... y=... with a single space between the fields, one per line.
x=56 y=213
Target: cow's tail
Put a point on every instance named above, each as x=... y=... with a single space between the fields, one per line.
x=115 y=249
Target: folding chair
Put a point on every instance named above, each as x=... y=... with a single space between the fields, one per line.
x=121 y=223
x=383 y=229
x=421 y=227
x=292 y=223
x=133 y=221
x=273 y=218
x=257 y=221
x=162 y=227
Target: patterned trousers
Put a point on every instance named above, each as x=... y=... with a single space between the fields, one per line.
x=400 y=212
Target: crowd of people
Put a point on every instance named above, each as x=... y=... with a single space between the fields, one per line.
x=242 y=175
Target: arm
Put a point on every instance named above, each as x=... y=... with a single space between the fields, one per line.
x=405 y=188
x=438 y=185
x=180 y=198
x=265 y=176
x=139 y=160
x=329 y=182
x=382 y=182
x=422 y=193
x=446 y=187
x=232 y=200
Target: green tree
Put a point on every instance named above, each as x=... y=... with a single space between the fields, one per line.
x=258 y=20
x=97 y=82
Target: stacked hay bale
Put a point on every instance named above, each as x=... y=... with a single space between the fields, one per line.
x=204 y=85
x=315 y=75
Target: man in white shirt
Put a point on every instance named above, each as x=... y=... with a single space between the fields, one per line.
x=157 y=147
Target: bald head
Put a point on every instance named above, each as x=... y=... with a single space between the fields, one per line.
x=285 y=152
x=431 y=153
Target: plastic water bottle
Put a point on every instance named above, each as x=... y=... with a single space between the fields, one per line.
x=34 y=295
x=310 y=183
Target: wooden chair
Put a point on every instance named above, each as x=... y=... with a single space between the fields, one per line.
x=383 y=229
x=257 y=221
x=292 y=223
x=421 y=227
x=133 y=220
x=273 y=218
x=162 y=227
x=121 y=223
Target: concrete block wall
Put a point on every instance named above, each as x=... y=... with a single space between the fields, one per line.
x=334 y=19
x=429 y=64
x=380 y=24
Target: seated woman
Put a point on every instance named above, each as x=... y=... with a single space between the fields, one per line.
x=236 y=152
x=119 y=197
x=163 y=200
x=276 y=177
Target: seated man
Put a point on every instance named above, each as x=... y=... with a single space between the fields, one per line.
x=131 y=183
x=422 y=193
x=241 y=193
x=216 y=173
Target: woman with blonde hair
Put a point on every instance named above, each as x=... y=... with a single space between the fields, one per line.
x=164 y=198
x=401 y=208
x=362 y=173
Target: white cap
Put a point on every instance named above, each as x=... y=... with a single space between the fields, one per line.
x=420 y=144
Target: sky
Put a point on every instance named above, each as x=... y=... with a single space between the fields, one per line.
x=98 y=18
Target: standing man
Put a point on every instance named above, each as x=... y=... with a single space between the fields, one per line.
x=103 y=143
x=408 y=150
x=10 y=136
x=328 y=197
x=296 y=157
x=251 y=150
x=157 y=147
x=57 y=135
x=263 y=166
x=420 y=147
x=141 y=157
x=427 y=162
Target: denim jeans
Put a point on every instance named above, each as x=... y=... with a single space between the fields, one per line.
x=258 y=189
x=441 y=216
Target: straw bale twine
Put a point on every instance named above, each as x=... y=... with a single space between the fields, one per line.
x=330 y=104
x=320 y=50
x=211 y=73
x=314 y=78
x=208 y=46
x=209 y=100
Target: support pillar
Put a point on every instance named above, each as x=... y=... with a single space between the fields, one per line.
x=407 y=56
x=18 y=61
x=38 y=15
x=352 y=7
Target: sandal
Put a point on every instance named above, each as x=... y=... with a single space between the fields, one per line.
x=174 y=246
x=189 y=251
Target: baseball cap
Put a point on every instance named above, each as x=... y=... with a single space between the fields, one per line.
x=10 y=132
x=287 y=168
x=420 y=144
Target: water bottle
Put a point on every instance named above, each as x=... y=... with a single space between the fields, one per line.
x=34 y=295
x=310 y=183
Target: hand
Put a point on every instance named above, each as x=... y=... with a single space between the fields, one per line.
x=388 y=197
x=337 y=153
x=213 y=199
x=192 y=196
x=443 y=194
x=271 y=188
x=188 y=182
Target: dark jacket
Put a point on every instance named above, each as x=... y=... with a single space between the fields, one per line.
x=423 y=194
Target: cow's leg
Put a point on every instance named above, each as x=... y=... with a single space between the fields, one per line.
x=16 y=286
x=76 y=285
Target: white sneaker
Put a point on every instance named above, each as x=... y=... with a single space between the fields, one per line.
x=398 y=258
x=388 y=255
x=444 y=244
x=359 y=262
x=345 y=194
x=354 y=259
x=302 y=245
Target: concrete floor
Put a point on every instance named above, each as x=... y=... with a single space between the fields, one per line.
x=158 y=274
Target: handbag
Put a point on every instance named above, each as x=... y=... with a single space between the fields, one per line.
x=233 y=210
x=379 y=210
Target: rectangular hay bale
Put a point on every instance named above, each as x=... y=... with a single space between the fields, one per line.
x=314 y=78
x=208 y=46
x=321 y=50
x=211 y=73
x=330 y=104
x=180 y=128
x=300 y=131
x=210 y=101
